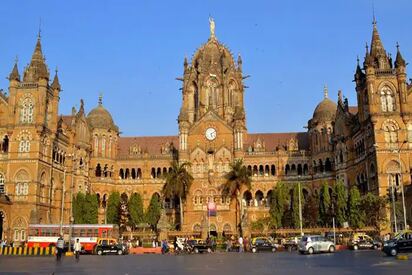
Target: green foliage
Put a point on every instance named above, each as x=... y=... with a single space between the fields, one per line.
x=374 y=208
x=78 y=208
x=136 y=209
x=178 y=181
x=112 y=211
x=325 y=205
x=340 y=203
x=355 y=215
x=90 y=210
x=153 y=212
x=278 y=204
x=311 y=210
x=237 y=178
x=85 y=208
x=295 y=206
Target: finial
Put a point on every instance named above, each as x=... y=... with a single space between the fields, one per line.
x=56 y=70
x=325 y=91
x=373 y=14
x=16 y=60
x=39 y=34
x=357 y=60
x=100 y=98
x=397 y=45
x=340 y=95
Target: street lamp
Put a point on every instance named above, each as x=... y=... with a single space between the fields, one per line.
x=62 y=201
x=300 y=208
x=70 y=232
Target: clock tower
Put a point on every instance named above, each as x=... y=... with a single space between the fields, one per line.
x=212 y=124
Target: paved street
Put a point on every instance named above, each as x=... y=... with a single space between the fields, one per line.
x=346 y=262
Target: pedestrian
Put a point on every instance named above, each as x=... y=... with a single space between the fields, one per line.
x=59 y=247
x=77 y=249
x=240 y=241
x=228 y=245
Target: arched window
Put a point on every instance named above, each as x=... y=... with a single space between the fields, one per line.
x=22 y=183
x=273 y=170
x=26 y=113
x=98 y=170
x=390 y=132
x=103 y=146
x=96 y=145
x=387 y=99
x=2 y=189
x=24 y=145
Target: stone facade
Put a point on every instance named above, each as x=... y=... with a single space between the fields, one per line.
x=45 y=158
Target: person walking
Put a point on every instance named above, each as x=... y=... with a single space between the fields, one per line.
x=240 y=241
x=59 y=247
x=77 y=249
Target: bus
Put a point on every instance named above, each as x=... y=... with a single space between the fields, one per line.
x=46 y=235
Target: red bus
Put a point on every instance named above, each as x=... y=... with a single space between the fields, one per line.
x=46 y=235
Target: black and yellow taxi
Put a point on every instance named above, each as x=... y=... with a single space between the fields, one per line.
x=260 y=244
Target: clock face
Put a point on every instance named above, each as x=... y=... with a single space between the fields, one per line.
x=210 y=133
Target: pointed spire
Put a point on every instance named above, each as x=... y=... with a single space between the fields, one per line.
x=37 y=67
x=14 y=75
x=399 y=61
x=185 y=63
x=377 y=51
x=325 y=91
x=56 y=84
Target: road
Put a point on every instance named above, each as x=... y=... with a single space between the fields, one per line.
x=345 y=262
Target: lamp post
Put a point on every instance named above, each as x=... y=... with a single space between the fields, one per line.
x=70 y=232
x=300 y=209
x=62 y=201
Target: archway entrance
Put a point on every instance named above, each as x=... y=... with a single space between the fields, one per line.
x=212 y=230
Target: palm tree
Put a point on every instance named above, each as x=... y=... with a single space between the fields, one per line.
x=236 y=179
x=177 y=185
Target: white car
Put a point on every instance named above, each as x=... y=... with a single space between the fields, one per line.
x=315 y=243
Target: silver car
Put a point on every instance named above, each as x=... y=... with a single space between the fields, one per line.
x=314 y=243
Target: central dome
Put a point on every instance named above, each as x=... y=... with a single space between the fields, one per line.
x=100 y=118
x=326 y=110
x=213 y=53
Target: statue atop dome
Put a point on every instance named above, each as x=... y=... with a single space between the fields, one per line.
x=212 y=27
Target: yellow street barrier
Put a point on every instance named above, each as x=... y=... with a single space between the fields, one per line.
x=25 y=251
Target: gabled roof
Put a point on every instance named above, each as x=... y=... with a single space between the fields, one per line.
x=152 y=145
x=274 y=140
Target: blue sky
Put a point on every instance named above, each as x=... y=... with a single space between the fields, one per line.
x=132 y=51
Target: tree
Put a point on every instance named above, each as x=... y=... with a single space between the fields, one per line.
x=136 y=209
x=278 y=204
x=113 y=205
x=177 y=185
x=311 y=210
x=325 y=205
x=90 y=209
x=78 y=208
x=237 y=178
x=355 y=215
x=153 y=211
x=295 y=206
x=374 y=208
x=340 y=203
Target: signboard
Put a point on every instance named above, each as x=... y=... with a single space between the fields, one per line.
x=211 y=209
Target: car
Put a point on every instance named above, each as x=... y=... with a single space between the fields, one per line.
x=200 y=246
x=401 y=243
x=315 y=243
x=109 y=246
x=363 y=241
x=291 y=243
x=262 y=244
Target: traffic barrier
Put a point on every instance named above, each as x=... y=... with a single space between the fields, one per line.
x=145 y=250
x=402 y=257
x=26 y=251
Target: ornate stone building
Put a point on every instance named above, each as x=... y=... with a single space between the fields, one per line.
x=46 y=158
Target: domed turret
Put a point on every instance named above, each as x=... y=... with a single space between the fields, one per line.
x=100 y=118
x=326 y=109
